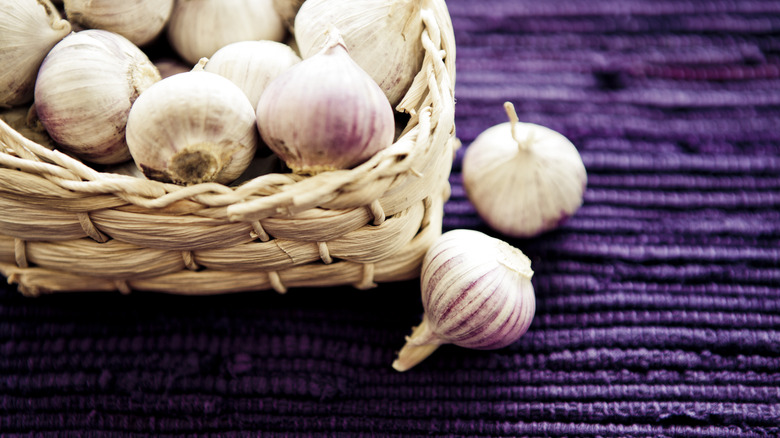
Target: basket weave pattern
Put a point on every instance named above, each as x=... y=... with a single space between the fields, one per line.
x=67 y=227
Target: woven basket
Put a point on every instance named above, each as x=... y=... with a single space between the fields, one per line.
x=65 y=226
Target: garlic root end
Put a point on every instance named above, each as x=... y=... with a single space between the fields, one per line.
x=421 y=344
x=411 y=355
x=194 y=165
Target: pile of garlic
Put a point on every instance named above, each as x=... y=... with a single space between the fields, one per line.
x=236 y=78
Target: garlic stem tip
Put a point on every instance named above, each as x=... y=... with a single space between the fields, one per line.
x=201 y=64
x=334 y=38
x=513 y=121
x=510 y=110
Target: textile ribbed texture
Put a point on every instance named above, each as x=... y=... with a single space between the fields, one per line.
x=658 y=303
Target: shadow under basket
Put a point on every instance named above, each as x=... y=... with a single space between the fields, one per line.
x=68 y=227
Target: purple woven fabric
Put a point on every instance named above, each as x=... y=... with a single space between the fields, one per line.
x=658 y=302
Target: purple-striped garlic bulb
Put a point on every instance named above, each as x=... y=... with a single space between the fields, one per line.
x=325 y=112
x=524 y=179
x=85 y=89
x=476 y=293
x=383 y=37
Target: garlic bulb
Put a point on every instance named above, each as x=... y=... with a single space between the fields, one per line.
x=85 y=88
x=476 y=293
x=523 y=179
x=191 y=128
x=140 y=21
x=287 y=9
x=252 y=65
x=383 y=37
x=28 y=30
x=325 y=113
x=198 y=28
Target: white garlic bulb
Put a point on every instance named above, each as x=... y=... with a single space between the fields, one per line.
x=523 y=179
x=198 y=28
x=325 y=113
x=140 y=21
x=28 y=30
x=476 y=293
x=252 y=65
x=192 y=128
x=85 y=88
x=383 y=37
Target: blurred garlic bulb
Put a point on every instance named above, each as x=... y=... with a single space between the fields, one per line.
x=252 y=65
x=382 y=36
x=523 y=179
x=85 y=88
x=192 y=128
x=476 y=293
x=325 y=113
x=198 y=28
x=140 y=21
x=287 y=10
x=28 y=30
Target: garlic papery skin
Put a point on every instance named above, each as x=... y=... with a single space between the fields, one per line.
x=85 y=88
x=325 y=113
x=140 y=21
x=198 y=28
x=252 y=65
x=28 y=30
x=383 y=37
x=191 y=128
x=476 y=293
x=523 y=179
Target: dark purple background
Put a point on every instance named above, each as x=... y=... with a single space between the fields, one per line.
x=658 y=302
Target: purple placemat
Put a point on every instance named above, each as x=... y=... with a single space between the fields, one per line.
x=658 y=302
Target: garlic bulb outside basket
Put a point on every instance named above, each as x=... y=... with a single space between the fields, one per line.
x=192 y=128
x=198 y=28
x=252 y=65
x=476 y=293
x=383 y=37
x=140 y=21
x=28 y=30
x=325 y=113
x=523 y=179
x=85 y=88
